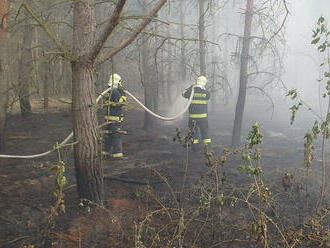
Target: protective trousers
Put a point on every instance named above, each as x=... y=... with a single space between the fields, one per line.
x=112 y=140
x=199 y=127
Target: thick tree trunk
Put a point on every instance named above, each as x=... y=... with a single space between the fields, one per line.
x=202 y=45
x=89 y=170
x=236 y=138
x=3 y=71
x=25 y=67
x=66 y=79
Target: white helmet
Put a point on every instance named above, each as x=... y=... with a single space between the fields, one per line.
x=201 y=81
x=114 y=80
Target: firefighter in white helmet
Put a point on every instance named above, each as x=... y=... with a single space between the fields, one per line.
x=198 y=112
x=115 y=99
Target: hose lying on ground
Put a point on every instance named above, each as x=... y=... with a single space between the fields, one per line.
x=97 y=100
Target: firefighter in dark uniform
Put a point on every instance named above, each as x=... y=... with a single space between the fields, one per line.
x=115 y=99
x=198 y=120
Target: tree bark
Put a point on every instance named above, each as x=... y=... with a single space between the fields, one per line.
x=236 y=137
x=3 y=71
x=25 y=67
x=89 y=170
x=202 y=45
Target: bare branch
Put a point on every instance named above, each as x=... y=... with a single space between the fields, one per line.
x=113 y=22
x=282 y=25
x=286 y=6
x=62 y=48
x=175 y=38
x=132 y=17
x=139 y=29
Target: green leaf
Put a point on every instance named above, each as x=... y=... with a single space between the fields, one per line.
x=322 y=47
x=320 y=20
x=241 y=168
x=316 y=40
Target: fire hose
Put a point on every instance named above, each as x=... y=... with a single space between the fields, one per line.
x=97 y=100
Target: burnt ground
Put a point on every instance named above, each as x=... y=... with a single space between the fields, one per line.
x=155 y=164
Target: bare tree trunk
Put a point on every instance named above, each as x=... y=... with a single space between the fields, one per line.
x=147 y=68
x=89 y=170
x=46 y=82
x=162 y=77
x=35 y=58
x=236 y=137
x=169 y=70
x=212 y=79
x=25 y=67
x=146 y=78
x=202 y=45
x=3 y=71
x=183 y=44
x=155 y=97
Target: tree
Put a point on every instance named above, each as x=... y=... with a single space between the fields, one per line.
x=89 y=172
x=147 y=80
x=260 y=58
x=3 y=79
x=236 y=137
x=25 y=67
x=86 y=49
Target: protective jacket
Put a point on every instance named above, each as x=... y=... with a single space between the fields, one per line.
x=198 y=106
x=115 y=100
x=198 y=112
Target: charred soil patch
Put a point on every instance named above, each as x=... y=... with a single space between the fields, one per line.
x=149 y=188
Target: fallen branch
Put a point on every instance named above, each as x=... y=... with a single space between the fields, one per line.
x=15 y=240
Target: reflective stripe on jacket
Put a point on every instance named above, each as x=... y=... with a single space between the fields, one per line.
x=113 y=118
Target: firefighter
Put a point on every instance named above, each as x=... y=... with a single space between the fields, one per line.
x=198 y=121
x=115 y=99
